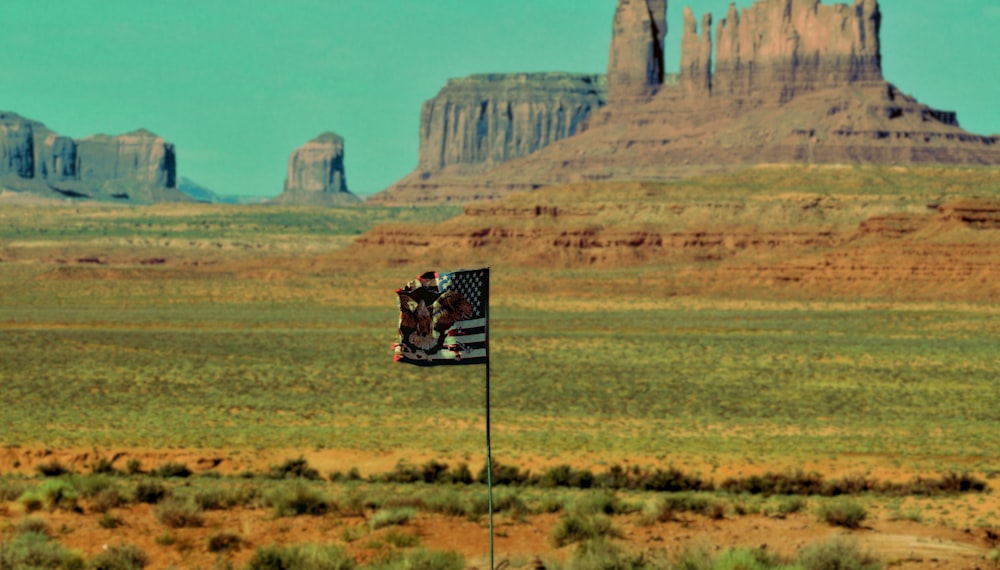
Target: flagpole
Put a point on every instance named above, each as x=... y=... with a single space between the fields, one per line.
x=489 y=459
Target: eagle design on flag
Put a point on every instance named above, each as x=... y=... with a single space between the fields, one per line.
x=442 y=318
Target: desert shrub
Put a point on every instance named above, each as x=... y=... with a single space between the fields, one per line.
x=11 y=490
x=119 y=557
x=566 y=476
x=667 y=508
x=787 y=506
x=501 y=474
x=297 y=468
x=505 y=500
x=296 y=499
x=391 y=517
x=107 y=499
x=219 y=498
x=671 y=481
x=603 y=502
x=32 y=524
x=339 y=477
x=52 y=469
x=693 y=556
x=949 y=483
x=90 y=485
x=224 y=541
x=52 y=494
x=420 y=559
x=301 y=557
x=177 y=512
x=402 y=539
x=448 y=502
x=134 y=467
x=850 y=485
x=789 y=483
x=172 y=469
x=601 y=554
x=104 y=466
x=842 y=512
x=579 y=528
x=110 y=521
x=150 y=492
x=838 y=553
x=745 y=559
x=461 y=474
x=37 y=551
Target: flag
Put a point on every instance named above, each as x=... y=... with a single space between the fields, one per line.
x=443 y=318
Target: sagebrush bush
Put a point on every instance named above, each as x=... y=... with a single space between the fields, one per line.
x=297 y=468
x=392 y=517
x=601 y=554
x=220 y=498
x=37 y=551
x=420 y=559
x=172 y=469
x=842 y=512
x=119 y=557
x=150 y=492
x=224 y=541
x=579 y=528
x=110 y=521
x=302 y=557
x=838 y=553
x=11 y=490
x=32 y=524
x=669 y=507
x=297 y=498
x=178 y=512
x=52 y=469
x=52 y=494
x=104 y=466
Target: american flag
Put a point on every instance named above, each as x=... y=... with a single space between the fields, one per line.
x=443 y=318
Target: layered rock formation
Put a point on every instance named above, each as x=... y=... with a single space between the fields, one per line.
x=316 y=174
x=635 y=61
x=794 y=81
x=790 y=46
x=477 y=122
x=138 y=166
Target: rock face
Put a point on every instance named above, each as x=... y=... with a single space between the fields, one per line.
x=791 y=46
x=316 y=174
x=696 y=56
x=635 y=61
x=783 y=81
x=138 y=166
x=478 y=122
x=490 y=119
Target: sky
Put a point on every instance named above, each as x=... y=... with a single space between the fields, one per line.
x=237 y=85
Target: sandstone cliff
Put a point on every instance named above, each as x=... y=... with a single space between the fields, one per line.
x=794 y=81
x=791 y=46
x=478 y=122
x=316 y=174
x=635 y=61
x=138 y=166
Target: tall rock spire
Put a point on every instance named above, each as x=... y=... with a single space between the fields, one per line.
x=635 y=63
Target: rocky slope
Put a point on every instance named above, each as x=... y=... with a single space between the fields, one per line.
x=316 y=174
x=794 y=81
x=136 y=167
x=789 y=231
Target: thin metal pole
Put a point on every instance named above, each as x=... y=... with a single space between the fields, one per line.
x=489 y=459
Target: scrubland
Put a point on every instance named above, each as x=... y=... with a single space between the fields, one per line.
x=231 y=340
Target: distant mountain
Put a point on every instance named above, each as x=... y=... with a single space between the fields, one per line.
x=137 y=167
x=201 y=194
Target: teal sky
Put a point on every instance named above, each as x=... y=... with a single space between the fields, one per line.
x=238 y=85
